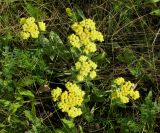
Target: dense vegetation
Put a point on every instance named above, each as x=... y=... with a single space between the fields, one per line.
x=79 y=66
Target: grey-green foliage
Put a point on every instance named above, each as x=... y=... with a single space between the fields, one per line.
x=156 y=12
x=19 y=69
x=36 y=123
x=13 y=108
x=129 y=125
x=152 y=1
x=54 y=47
x=15 y=112
x=33 y=8
x=155 y=7
x=19 y=64
x=7 y=69
x=146 y=120
x=148 y=111
x=127 y=56
x=69 y=126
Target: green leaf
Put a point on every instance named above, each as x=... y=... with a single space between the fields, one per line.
x=148 y=99
x=68 y=123
x=33 y=10
x=148 y=111
x=98 y=92
x=11 y=106
x=26 y=93
x=36 y=122
x=81 y=129
x=56 y=47
x=135 y=71
x=152 y=1
x=87 y=113
x=79 y=12
x=59 y=131
x=3 y=131
x=129 y=124
x=101 y=58
x=55 y=38
x=5 y=102
x=29 y=115
x=126 y=56
x=15 y=106
x=156 y=12
x=2 y=125
x=26 y=81
x=97 y=95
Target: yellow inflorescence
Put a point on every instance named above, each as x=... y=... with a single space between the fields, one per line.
x=85 y=35
x=56 y=94
x=74 y=40
x=70 y=100
x=30 y=28
x=42 y=26
x=124 y=91
x=119 y=81
x=85 y=68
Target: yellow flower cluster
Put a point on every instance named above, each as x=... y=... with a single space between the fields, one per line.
x=124 y=91
x=70 y=100
x=30 y=28
x=86 y=67
x=85 y=35
x=56 y=94
x=42 y=26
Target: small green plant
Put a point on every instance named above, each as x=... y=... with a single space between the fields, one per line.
x=82 y=41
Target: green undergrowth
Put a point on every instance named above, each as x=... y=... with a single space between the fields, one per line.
x=31 y=69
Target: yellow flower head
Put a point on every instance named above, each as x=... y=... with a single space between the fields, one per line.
x=42 y=26
x=124 y=99
x=22 y=20
x=30 y=28
x=92 y=64
x=25 y=35
x=80 y=77
x=30 y=20
x=92 y=74
x=56 y=93
x=124 y=91
x=34 y=34
x=90 y=48
x=88 y=24
x=135 y=95
x=70 y=100
x=86 y=68
x=83 y=58
x=74 y=41
x=87 y=34
x=74 y=112
x=119 y=81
